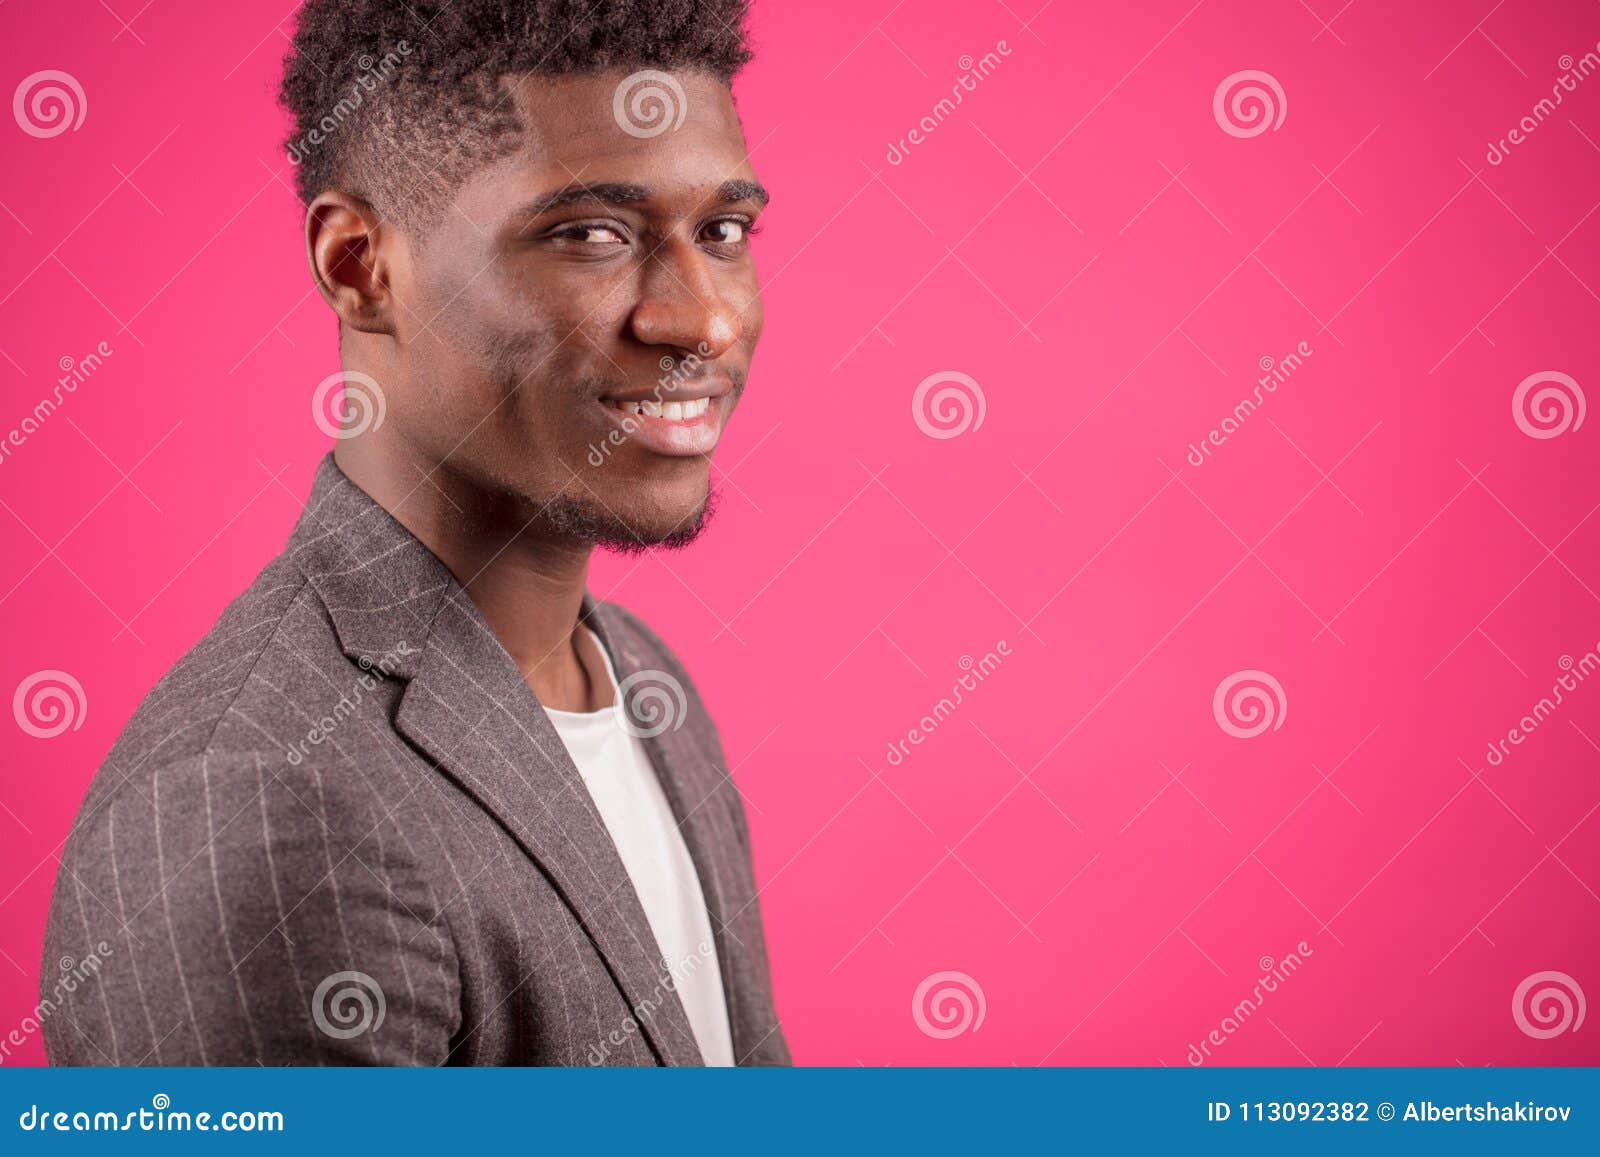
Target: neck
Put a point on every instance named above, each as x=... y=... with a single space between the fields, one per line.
x=528 y=588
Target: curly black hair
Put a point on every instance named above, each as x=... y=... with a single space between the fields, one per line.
x=394 y=101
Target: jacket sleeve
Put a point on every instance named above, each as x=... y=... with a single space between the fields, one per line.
x=205 y=913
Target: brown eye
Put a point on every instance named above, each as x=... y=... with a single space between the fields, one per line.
x=593 y=235
x=726 y=232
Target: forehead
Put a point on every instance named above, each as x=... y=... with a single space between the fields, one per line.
x=677 y=133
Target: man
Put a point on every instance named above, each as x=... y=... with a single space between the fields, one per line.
x=416 y=798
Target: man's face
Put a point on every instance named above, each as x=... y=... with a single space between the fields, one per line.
x=576 y=327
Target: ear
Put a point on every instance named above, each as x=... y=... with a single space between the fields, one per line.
x=349 y=247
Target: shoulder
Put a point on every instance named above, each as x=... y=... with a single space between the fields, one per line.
x=220 y=888
x=179 y=715
x=255 y=696
x=223 y=805
x=218 y=837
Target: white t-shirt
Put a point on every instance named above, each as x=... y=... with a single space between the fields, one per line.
x=630 y=800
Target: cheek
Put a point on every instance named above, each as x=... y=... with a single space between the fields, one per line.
x=490 y=340
x=539 y=335
x=752 y=316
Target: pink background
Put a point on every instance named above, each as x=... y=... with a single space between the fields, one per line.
x=1083 y=239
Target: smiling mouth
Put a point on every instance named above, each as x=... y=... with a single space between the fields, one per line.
x=675 y=429
x=686 y=411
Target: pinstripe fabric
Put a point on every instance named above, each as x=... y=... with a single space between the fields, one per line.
x=348 y=774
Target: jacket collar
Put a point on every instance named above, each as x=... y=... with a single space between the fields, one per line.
x=467 y=707
x=382 y=588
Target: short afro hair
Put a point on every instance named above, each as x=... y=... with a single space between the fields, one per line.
x=395 y=101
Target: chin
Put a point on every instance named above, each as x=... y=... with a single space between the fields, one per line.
x=632 y=522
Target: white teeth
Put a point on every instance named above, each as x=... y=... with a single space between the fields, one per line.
x=672 y=411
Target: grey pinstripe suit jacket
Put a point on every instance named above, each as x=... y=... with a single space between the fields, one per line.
x=345 y=792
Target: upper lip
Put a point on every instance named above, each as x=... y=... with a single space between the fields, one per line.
x=687 y=391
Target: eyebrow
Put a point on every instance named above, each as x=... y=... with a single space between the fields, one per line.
x=622 y=193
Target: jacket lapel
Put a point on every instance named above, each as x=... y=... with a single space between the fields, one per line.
x=690 y=774
x=467 y=707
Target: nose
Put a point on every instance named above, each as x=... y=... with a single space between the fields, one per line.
x=680 y=305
